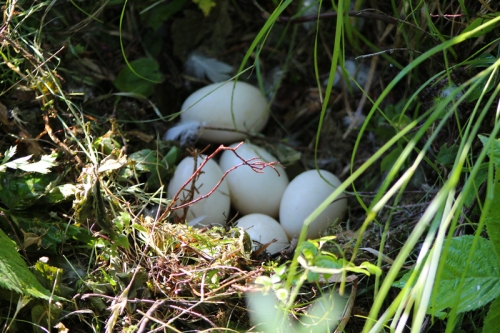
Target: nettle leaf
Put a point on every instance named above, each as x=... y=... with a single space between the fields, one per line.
x=15 y=275
x=492 y=320
x=43 y=166
x=20 y=192
x=200 y=66
x=482 y=277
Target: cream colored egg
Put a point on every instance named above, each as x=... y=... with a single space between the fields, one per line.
x=211 y=106
x=263 y=229
x=213 y=209
x=304 y=194
x=253 y=192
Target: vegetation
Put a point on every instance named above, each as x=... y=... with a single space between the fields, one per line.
x=399 y=99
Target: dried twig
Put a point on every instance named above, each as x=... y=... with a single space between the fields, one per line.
x=256 y=166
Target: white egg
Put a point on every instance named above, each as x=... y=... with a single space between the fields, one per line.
x=213 y=209
x=304 y=194
x=253 y=192
x=211 y=106
x=263 y=229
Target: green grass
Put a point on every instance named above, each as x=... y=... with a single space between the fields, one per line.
x=148 y=273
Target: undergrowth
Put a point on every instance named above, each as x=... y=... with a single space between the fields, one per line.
x=400 y=100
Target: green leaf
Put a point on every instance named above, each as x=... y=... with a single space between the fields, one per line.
x=205 y=5
x=42 y=166
x=493 y=216
x=324 y=261
x=479 y=21
x=492 y=320
x=494 y=152
x=172 y=157
x=309 y=250
x=373 y=269
x=481 y=277
x=18 y=192
x=128 y=81
x=476 y=92
x=9 y=153
x=50 y=277
x=15 y=275
x=61 y=193
x=447 y=155
x=158 y=14
x=389 y=160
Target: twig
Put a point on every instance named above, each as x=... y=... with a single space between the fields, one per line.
x=144 y=321
x=256 y=166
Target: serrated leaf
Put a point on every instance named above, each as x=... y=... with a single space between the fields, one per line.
x=15 y=164
x=9 y=154
x=61 y=193
x=15 y=275
x=20 y=192
x=205 y=5
x=492 y=320
x=43 y=166
x=493 y=217
x=200 y=66
x=482 y=277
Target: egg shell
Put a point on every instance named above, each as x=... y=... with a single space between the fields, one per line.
x=253 y=192
x=211 y=106
x=211 y=210
x=263 y=229
x=303 y=195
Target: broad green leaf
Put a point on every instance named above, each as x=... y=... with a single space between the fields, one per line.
x=18 y=192
x=309 y=250
x=128 y=81
x=15 y=275
x=492 y=320
x=482 y=277
x=324 y=261
x=50 y=277
x=172 y=157
x=145 y=160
